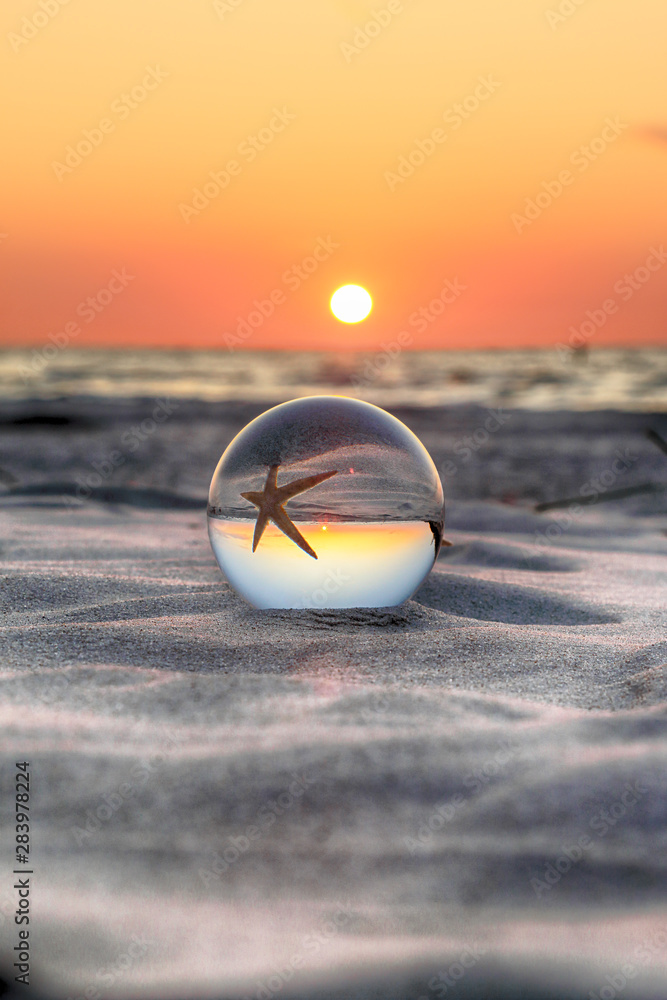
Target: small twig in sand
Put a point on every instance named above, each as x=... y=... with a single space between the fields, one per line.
x=657 y=440
x=8 y=478
x=613 y=494
x=601 y=498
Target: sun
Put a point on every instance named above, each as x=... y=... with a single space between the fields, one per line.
x=351 y=303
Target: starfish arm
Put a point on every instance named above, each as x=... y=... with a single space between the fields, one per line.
x=271 y=484
x=255 y=498
x=260 y=524
x=285 y=493
x=282 y=521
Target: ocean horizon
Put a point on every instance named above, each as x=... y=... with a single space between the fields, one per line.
x=544 y=379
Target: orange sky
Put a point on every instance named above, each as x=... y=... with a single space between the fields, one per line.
x=362 y=95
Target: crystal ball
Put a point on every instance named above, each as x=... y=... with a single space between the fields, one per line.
x=325 y=502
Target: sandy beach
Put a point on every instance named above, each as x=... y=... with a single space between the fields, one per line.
x=461 y=796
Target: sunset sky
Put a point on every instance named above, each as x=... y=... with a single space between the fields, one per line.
x=401 y=141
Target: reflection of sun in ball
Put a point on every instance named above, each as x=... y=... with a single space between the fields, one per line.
x=351 y=303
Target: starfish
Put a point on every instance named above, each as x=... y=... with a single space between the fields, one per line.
x=270 y=506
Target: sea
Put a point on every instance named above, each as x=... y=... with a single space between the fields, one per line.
x=560 y=378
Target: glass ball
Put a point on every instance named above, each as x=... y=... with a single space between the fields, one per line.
x=325 y=502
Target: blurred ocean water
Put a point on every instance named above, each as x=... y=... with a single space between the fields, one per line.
x=624 y=379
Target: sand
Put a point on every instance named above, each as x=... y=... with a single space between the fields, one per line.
x=462 y=796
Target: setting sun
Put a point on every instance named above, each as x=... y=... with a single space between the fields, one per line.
x=351 y=303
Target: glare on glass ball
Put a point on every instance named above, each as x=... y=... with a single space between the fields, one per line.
x=325 y=502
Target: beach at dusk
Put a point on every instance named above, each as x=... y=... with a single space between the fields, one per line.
x=333 y=501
